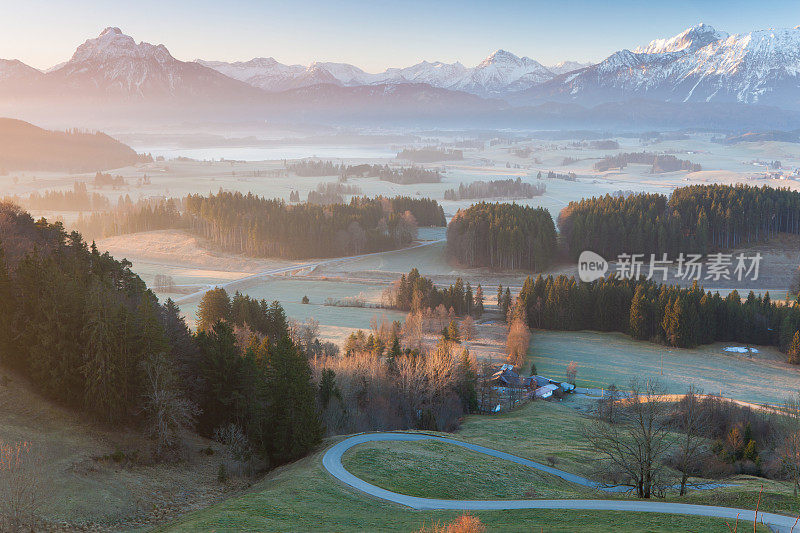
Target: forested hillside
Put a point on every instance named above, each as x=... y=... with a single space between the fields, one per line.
x=502 y=236
x=88 y=334
x=24 y=146
x=695 y=219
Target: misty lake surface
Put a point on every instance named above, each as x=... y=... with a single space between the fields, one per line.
x=269 y=153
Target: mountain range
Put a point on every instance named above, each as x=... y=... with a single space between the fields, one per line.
x=700 y=65
x=499 y=74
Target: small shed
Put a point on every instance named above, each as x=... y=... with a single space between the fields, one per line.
x=546 y=391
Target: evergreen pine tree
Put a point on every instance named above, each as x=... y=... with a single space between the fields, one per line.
x=214 y=306
x=478 y=307
x=7 y=309
x=102 y=371
x=793 y=354
x=639 y=323
x=292 y=409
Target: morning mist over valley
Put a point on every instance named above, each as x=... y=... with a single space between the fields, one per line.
x=415 y=267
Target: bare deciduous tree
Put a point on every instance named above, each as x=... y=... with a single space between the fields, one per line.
x=413 y=331
x=487 y=395
x=607 y=405
x=468 y=328
x=239 y=452
x=572 y=372
x=22 y=489
x=167 y=412
x=690 y=419
x=441 y=317
x=519 y=337
x=635 y=448
x=789 y=448
x=304 y=333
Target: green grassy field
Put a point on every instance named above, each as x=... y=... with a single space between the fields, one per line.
x=605 y=358
x=536 y=431
x=304 y=497
x=440 y=470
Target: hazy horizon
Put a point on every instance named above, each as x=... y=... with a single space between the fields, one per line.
x=448 y=31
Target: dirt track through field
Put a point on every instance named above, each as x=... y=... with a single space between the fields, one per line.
x=300 y=269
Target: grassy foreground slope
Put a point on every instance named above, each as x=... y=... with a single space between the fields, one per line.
x=304 y=497
x=540 y=431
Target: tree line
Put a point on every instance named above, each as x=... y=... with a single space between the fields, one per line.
x=402 y=175
x=131 y=217
x=667 y=314
x=502 y=236
x=78 y=199
x=509 y=188
x=261 y=227
x=694 y=219
x=430 y=155
x=556 y=176
x=377 y=385
x=269 y=228
x=659 y=162
x=328 y=193
x=414 y=292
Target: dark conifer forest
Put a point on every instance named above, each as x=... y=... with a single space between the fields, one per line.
x=675 y=316
x=414 y=292
x=502 y=236
x=659 y=162
x=509 y=188
x=695 y=219
x=90 y=335
x=269 y=228
x=262 y=227
x=402 y=175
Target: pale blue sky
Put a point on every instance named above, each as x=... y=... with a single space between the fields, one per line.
x=373 y=34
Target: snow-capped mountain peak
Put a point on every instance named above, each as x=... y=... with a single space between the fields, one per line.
x=500 y=56
x=503 y=71
x=15 y=69
x=113 y=44
x=114 y=65
x=700 y=64
x=500 y=72
x=567 y=66
x=689 y=40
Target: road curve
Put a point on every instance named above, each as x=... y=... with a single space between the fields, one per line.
x=332 y=462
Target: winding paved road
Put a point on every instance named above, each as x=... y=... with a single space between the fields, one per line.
x=332 y=462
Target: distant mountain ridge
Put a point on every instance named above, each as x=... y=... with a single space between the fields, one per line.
x=113 y=74
x=24 y=146
x=698 y=65
x=500 y=73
